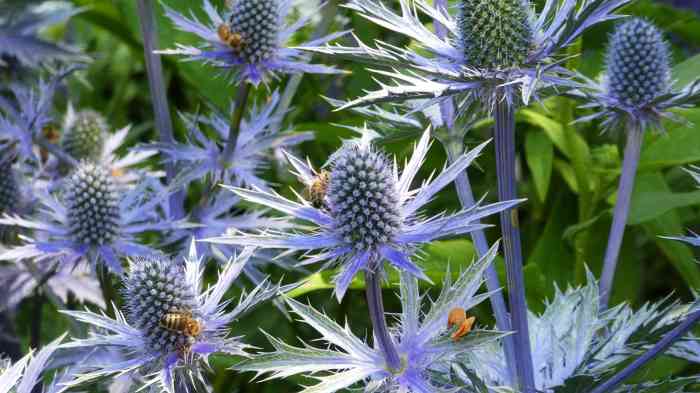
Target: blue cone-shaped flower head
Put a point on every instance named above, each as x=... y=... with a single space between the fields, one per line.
x=637 y=88
x=93 y=205
x=172 y=324
x=638 y=67
x=363 y=212
x=249 y=40
x=363 y=197
x=495 y=34
x=157 y=290
x=253 y=28
x=84 y=137
x=9 y=188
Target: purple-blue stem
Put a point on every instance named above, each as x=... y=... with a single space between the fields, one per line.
x=466 y=198
x=236 y=118
x=154 y=68
x=373 y=291
x=507 y=190
x=622 y=207
x=454 y=147
x=660 y=347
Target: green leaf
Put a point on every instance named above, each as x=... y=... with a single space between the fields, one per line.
x=686 y=72
x=647 y=206
x=669 y=224
x=539 y=153
x=555 y=131
x=680 y=146
x=567 y=173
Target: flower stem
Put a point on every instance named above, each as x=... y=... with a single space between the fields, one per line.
x=107 y=288
x=507 y=190
x=236 y=118
x=159 y=97
x=660 y=347
x=622 y=207
x=466 y=197
x=373 y=291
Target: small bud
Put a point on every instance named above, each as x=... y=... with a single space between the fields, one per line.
x=363 y=197
x=93 y=208
x=256 y=23
x=85 y=136
x=638 y=67
x=154 y=288
x=495 y=34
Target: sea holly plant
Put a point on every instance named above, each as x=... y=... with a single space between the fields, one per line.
x=26 y=374
x=170 y=325
x=636 y=93
x=424 y=340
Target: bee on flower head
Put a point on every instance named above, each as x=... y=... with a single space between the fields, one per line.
x=315 y=192
x=233 y=39
x=182 y=322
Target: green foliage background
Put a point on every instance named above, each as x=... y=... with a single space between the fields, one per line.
x=568 y=172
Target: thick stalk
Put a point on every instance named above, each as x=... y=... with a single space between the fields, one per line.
x=507 y=190
x=154 y=68
x=236 y=118
x=373 y=291
x=466 y=198
x=622 y=207
x=660 y=347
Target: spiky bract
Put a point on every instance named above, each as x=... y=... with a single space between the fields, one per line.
x=154 y=287
x=363 y=197
x=638 y=66
x=85 y=137
x=92 y=205
x=495 y=34
x=258 y=23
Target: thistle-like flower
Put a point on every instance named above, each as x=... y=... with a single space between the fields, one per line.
x=575 y=342
x=25 y=375
x=494 y=50
x=364 y=213
x=90 y=219
x=171 y=324
x=426 y=342
x=202 y=156
x=637 y=87
x=249 y=40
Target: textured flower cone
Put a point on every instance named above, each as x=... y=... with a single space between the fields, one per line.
x=363 y=197
x=9 y=190
x=638 y=64
x=155 y=287
x=84 y=140
x=495 y=34
x=257 y=22
x=93 y=208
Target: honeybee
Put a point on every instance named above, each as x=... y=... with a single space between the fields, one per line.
x=182 y=322
x=316 y=191
x=458 y=317
x=233 y=39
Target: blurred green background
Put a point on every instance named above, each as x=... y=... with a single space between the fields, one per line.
x=570 y=191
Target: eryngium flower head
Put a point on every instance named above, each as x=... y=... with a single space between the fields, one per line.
x=250 y=40
x=494 y=50
x=154 y=288
x=637 y=89
x=421 y=335
x=495 y=34
x=172 y=324
x=638 y=65
x=256 y=22
x=363 y=197
x=93 y=205
x=377 y=220
x=84 y=137
x=9 y=188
